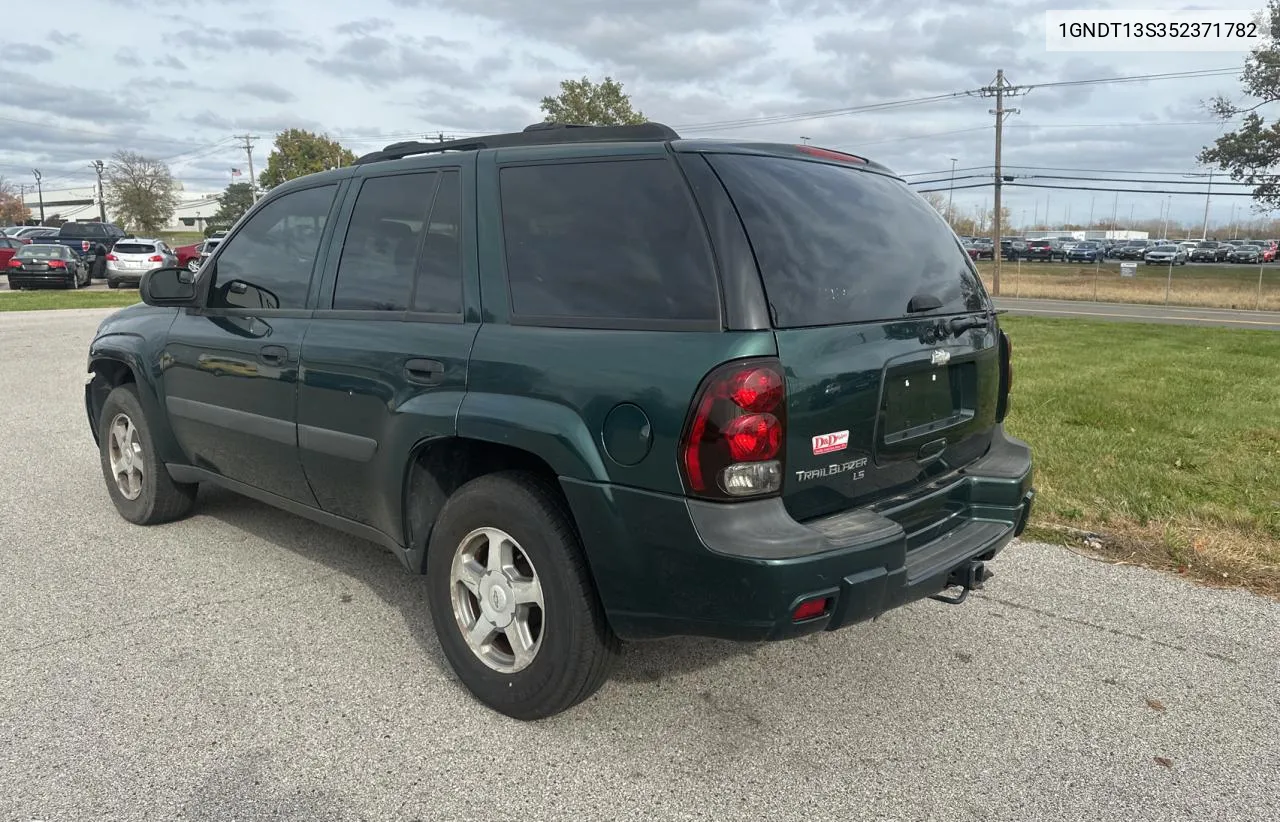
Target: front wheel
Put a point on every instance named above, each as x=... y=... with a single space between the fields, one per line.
x=138 y=482
x=193 y=265
x=512 y=600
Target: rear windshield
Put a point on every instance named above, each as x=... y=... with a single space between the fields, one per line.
x=83 y=230
x=1040 y=243
x=838 y=245
x=43 y=252
x=1206 y=245
x=135 y=248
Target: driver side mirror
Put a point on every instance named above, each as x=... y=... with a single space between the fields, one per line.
x=168 y=287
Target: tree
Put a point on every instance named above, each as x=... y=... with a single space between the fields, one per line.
x=232 y=204
x=140 y=192
x=12 y=209
x=1249 y=153
x=299 y=152
x=592 y=104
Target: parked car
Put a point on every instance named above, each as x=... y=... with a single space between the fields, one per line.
x=1268 y=254
x=91 y=239
x=130 y=259
x=1132 y=250
x=37 y=265
x=8 y=247
x=972 y=250
x=1207 y=251
x=30 y=231
x=207 y=248
x=556 y=502
x=1165 y=255
x=1245 y=254
x=189 y=255
x=1089 y=251
x=1043 y=250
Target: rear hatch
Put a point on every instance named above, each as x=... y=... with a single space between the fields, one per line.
x=37 y=259
x=130 y=255
x=885 y=333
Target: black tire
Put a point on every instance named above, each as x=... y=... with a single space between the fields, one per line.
x=577 y=650
x=112 y=283
x=161 y=499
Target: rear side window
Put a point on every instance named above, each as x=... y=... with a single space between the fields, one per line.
x=134 y=248
x=439 y=277
x=616 y=240
x=837 y=245
x=381 y=247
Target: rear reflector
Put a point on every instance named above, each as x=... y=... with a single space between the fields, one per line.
x=812 y=608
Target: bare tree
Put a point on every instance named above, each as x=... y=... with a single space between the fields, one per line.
x=12 y=209
x=140 y=192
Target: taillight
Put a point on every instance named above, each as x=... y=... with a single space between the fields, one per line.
x=112 y=257
x=155 y=258
x=1006 y=376
x=57 y=264
x=15 y=263
x=84 y=245
x=734 y=442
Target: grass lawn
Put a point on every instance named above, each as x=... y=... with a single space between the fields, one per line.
x=1164 y=440
x=1214 y=286
x=42 y=300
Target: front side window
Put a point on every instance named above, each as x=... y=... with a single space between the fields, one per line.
x=616 y=240
x=268 y=263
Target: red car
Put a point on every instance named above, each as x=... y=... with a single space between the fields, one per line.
x=8 y=247
x=1268 y=252
x=189 y=255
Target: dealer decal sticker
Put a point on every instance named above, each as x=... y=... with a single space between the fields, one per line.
x=830 y=443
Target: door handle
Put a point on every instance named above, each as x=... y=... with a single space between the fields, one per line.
x=424 y=372
x=273 y=354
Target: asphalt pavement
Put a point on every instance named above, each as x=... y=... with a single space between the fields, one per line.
x=1142 y=313
x=246 y=664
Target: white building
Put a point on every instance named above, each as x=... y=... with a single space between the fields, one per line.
x=1051 y=233
x=195 y=207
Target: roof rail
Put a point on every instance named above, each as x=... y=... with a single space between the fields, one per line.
x=538 y=134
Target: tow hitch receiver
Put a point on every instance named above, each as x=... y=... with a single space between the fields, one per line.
x=968 y=577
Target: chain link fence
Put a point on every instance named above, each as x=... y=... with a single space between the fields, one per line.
x=1214 y=285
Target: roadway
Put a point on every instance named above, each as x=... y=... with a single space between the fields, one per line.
x=1140 y=313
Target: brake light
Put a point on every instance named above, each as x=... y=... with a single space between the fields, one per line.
x=828 y=154
x=57 y=264
x=84 y=245
x=13 y=263
x=734 y=441
x=155 y=258
x=112 y=257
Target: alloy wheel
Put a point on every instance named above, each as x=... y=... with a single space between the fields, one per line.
x=497 y=600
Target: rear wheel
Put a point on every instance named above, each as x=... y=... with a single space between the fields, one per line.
x=512 y=601
x=112 y=283
x=193 y=265
x=138 y=482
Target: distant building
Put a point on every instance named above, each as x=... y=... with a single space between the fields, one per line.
x=1087 y=235
x=81 y=203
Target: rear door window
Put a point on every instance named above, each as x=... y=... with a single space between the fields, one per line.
x=839 y=245
x=615 y=240
x=381 y=247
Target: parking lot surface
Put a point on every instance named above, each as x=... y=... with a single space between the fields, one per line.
x=246 y=664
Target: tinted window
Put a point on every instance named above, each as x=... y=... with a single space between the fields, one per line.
x=83 y=230
x=439 y=287
x=269 y=261
x=134 y=248
x=43 y=252
x=606 y=240
x=378 y=254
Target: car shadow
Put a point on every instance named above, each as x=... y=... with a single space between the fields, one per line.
x=380 y=572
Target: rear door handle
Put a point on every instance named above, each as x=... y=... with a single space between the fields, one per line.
x=424 y=372
x=273 y=354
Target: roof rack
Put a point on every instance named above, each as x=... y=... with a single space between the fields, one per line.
x=538 y=134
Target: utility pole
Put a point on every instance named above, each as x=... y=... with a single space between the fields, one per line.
x=951 y=190
x=1091 y=199
x=97 y=166
x=248 y=150
x=1115 y=209
x=40 y=189
x=1164 y=232
x=1204 y=233
x=999 y=90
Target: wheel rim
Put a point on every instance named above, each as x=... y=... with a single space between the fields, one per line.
x=497 y=600
x=192 y=265
x=124 y=451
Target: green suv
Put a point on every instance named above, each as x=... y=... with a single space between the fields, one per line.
x=596 y=383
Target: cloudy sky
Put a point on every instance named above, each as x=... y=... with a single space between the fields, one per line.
x=177 y=79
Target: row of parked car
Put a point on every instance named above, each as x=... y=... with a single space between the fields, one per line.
x=76 y=253
x=1153 y=252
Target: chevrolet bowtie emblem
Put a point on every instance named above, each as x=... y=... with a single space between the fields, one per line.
x=940 y=357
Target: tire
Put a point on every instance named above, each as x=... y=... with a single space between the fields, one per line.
x=112 y=283
x=575 y=649
x=158 y=498
x=193 y=265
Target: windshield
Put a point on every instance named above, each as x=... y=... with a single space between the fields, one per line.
x=1248 y=248
x=1166 y=248
x=1206 y=245
x=839 y=245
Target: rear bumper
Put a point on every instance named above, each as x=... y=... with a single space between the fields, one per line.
x=124 y=275
x=61 y=280
x=666 y=565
